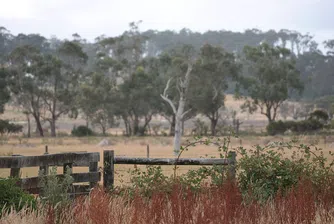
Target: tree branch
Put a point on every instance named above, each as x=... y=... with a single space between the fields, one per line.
x=164 y=96
x=216 y=94
x=167 y=87
x=185 y=113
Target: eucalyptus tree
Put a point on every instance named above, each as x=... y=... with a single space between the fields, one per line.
x=28 y=69
x=4 y=90
x=272 y=77
x=64 y=73
x=214 y=68
x=180 y=65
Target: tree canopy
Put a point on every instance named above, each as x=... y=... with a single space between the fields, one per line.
x=270 y=76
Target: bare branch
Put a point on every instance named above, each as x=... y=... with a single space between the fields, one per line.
x=170 y=103
x=164 y=96
x=179 y=86
x=216 y=93
x=185 y=113
x=167 y=87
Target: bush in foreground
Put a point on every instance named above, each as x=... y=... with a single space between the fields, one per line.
x=13 y=197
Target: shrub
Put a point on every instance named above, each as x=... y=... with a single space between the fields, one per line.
x=310 y=125
x=262 y=171
x=319 y=115
x=278 y=127
x=12 y=196
x=265 y=170
x=82 y=131
x=9 y=128
x=304 y=126
x=148 y=181
x=54 y=189
x=200 y=128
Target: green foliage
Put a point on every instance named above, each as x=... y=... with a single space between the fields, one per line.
x=300 y=127
x=152 y=178
x=213 y=70
x=9 y=128
x=264 y=170
x=149 y=181
x=97 y=100
x=13 y=197
x=82 y=131
x=54 y=190
x=200 y=129
x=277 y=127
x=319 y=115
x=305 y=126
x=4 y=90
x=271 y=77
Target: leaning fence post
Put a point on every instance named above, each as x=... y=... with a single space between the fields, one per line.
x=108 y=169
x=233 y=160
x=15 y=172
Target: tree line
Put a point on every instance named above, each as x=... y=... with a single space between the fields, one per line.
x=137 y=75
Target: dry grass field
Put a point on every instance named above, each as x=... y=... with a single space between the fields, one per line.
x=134 y=146
x=160 y=147
x=255 y=121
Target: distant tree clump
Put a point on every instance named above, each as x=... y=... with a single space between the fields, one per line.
x=271 y=77
x=82 y=131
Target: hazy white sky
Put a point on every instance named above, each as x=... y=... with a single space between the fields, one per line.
x=91 y=18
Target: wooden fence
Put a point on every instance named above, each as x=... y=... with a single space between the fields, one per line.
x=65 y=160
x=91 y=159
x=110 y=160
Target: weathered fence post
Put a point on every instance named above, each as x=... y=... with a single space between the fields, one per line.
x=15 y=172
x=148 y=151
x=108 y=169
x=45 y=169
x=93 y=167
x=233 y=160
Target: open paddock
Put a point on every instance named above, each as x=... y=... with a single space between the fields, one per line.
x=159 y=147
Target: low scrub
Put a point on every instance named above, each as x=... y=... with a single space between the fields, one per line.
x=9 y=128
x=298 y=127
x=82 y=131
x=13 y=197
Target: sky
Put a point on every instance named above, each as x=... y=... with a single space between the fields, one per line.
x=92 y=18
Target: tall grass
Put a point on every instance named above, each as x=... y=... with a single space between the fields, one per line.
x=220 y=204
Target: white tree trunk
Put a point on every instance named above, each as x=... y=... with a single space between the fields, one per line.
x=178 y=126
x=179 y=112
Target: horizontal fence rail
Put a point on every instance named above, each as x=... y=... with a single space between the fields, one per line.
x=76 y=159
x=110 y=160
x=173 y=161
x=33 y=182
x=91 y=159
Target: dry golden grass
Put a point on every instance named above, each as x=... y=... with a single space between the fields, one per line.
x=160 y=147
x=14 y=113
